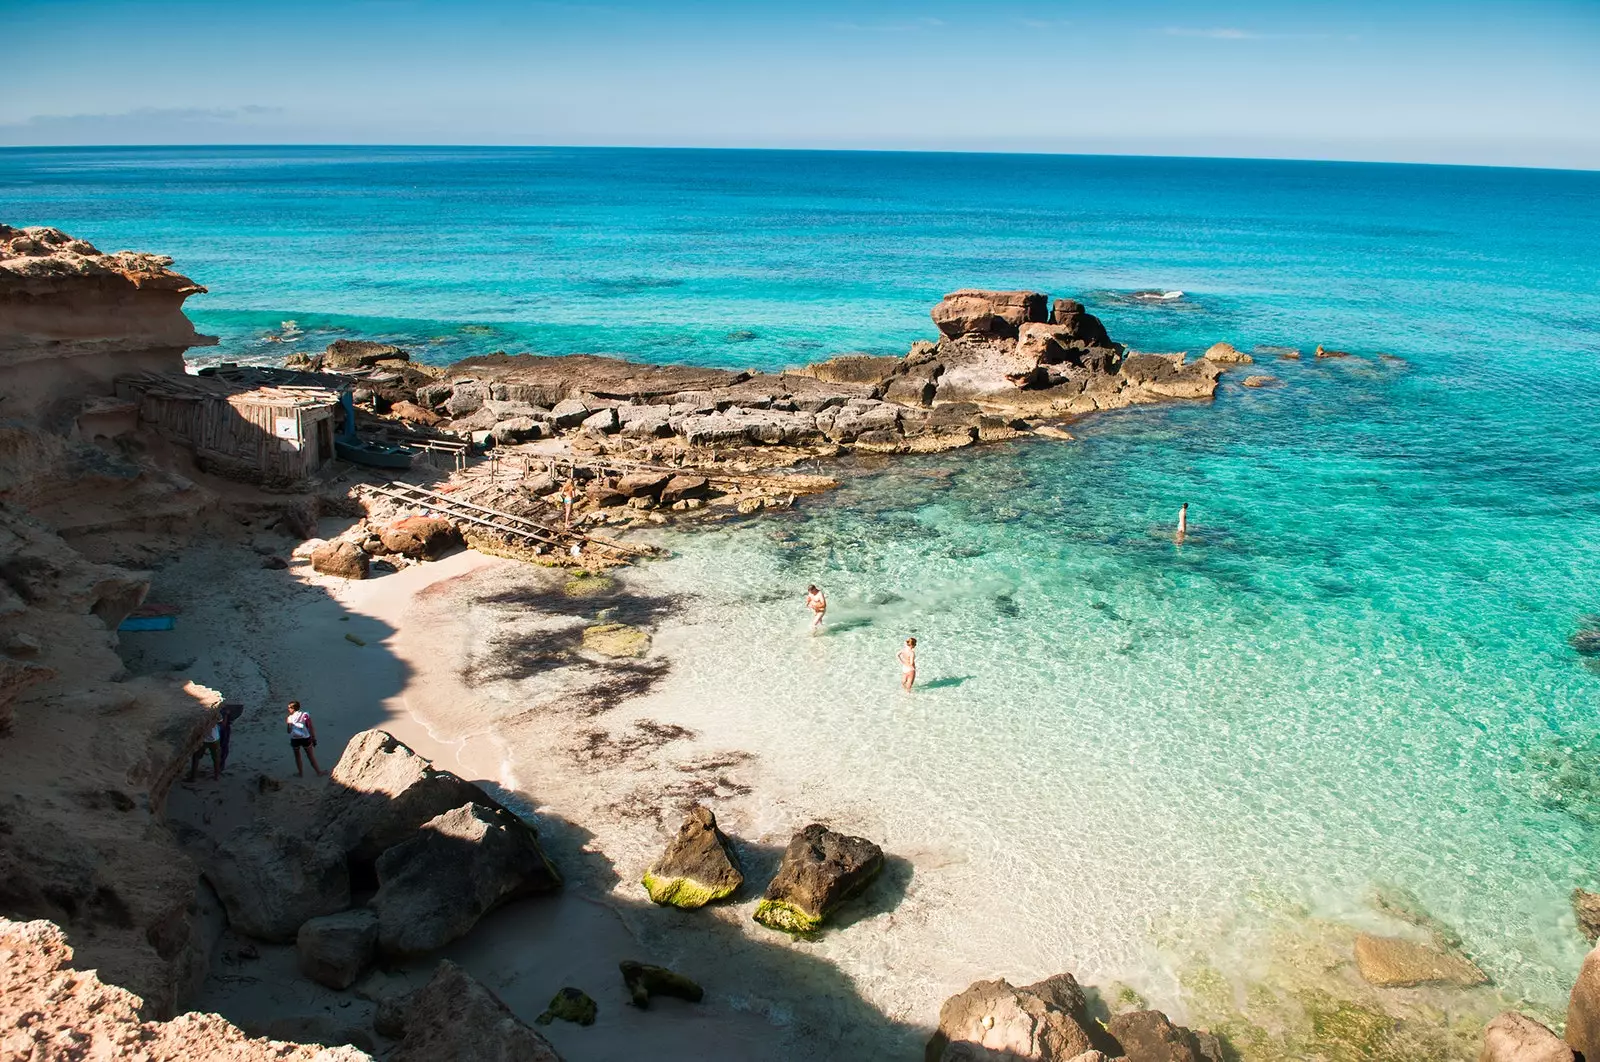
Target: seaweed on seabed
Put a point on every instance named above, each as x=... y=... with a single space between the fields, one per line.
x=1565 y=777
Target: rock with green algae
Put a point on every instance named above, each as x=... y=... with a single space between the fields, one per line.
x=587 y=584
x=616 y=640
x=698 y=867
x=820 y=870
x=643 y=981
x=569 y=1004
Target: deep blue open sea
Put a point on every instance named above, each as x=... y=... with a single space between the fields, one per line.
x=1357 y=673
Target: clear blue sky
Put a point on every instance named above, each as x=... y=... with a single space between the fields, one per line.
x=1504 y=83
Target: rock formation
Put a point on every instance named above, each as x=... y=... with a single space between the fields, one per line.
x=1586 y=906
x=455 y=1017
x=1393 y=962
x=643 y=981
x=1514 y=1037
x=50 y=1011
x=1583 y=1009
x=698 y=867
x=820 y=870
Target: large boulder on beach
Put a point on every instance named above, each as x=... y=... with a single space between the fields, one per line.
x=994 y=1021
x=1583 y=1009
x=434 y=887
x=272 y=881
x=820 y=870
x=1514 y=1037
x=698 y=867
x=682 y=487
x=343 y=559
x=334 y=949
x=643 y=484
x=381 y=793
x=987 y=313
x=453 y=1017
x=1394 y=962
x=421 y=537
x=1148 y=1036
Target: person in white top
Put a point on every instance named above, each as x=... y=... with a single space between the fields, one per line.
x=212 y=743
x=908 y=664
x=302 y=737
x=817 y=602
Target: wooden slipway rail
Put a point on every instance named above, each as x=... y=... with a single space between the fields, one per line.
x=503 y=522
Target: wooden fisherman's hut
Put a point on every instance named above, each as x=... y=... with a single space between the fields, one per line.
x=260 y=425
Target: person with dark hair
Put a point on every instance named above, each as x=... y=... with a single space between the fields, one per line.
x=1183 y=521
x=302 y=738
x=817 y=602
x=908 y=664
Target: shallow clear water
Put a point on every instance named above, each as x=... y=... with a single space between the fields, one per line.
x=1355 y=672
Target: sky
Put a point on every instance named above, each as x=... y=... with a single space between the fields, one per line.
x=1472 y=81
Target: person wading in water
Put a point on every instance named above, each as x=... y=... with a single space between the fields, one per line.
x=908 y=664
x=1183 y=521
x=817 y=602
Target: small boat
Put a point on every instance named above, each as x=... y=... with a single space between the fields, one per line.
x=375 y=455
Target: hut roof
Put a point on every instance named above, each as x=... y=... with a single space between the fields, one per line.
x=240 y=385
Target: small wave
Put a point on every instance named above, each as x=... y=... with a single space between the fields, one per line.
x=1157 y=296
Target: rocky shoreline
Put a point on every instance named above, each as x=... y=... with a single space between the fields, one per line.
x=362 y=898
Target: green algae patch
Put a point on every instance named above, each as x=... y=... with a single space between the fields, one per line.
x=785 y=917
x=570 y=1004
x=617 y=640
x=684 y=892
x=584 y=584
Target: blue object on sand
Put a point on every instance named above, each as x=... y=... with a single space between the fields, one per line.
x=146 y=623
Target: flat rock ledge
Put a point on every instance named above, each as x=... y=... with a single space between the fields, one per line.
x=1394 y=962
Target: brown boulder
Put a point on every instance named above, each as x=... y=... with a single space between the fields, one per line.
x=643 y=484
x=421 y=537
x=698 y=867
x=987 y=313
x=271 y=881
x=360 y=353
x=415 y=414
x=1586 y=905
x=381 y=793
x=454 y=1017
x=1227 y=354
x=1514 y=1037
x=334 y=949
x=820 y=870
x=434 y=887
x=994 y=1021
x=680 y=488
x=1394 y=962
x=344 y=559
x=1583 y=1009
x=854 y=369
x=1147 y=1036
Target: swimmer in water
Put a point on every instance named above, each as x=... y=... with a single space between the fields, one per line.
x=908 y=664
x=1183 y=521
x=817 y=602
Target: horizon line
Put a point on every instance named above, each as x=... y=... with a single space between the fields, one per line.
x=356 y=146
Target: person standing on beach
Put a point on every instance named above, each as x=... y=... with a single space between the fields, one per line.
x=908 y=664
x=211 y=743
x=569 y=498
x=817 y=602
x=1183 y=521
x=302 y=738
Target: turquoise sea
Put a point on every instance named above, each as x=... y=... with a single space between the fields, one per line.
x=1356 y=673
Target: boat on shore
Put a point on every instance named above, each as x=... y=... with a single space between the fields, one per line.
x=373 y=454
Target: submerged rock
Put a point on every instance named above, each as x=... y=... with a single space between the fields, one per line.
x=460 y=865
x=455 y=1017
x=820 y=870
x=616 y=640
x=697 y=868
x=1261 y=381
x=643 y=981
x=569 y=1004
x=1514 y=1037
x=1393 y=962
x=994 y=1021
